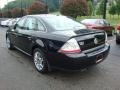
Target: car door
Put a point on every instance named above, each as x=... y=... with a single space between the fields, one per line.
x=14 y=31
x=25 y=36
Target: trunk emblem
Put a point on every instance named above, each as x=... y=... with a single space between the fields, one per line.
x=96 y=41
x=81 y=43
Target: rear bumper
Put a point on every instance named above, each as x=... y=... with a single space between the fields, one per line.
x=78 y=61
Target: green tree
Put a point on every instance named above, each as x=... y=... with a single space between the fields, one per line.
x=37 y=8
x=91 y=7
x=118 y=7
x=74 y=8
x=112 y=10
x=100 y=8
x=52 y=4
x=0 y=14
x=7 y=14
x=17 y=4
x=16 y=12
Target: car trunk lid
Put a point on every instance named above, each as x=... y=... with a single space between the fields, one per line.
x=91 y=40
x=87 y=39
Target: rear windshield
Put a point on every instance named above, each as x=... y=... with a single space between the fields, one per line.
x=91 y=21
x=64 y=23
x=95 y=21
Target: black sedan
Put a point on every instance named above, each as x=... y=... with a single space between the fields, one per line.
x=57 y=42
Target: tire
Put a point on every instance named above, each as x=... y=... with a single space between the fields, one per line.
x=10 y=46
x=117 y=39
x=40 y=61
x=117 y=42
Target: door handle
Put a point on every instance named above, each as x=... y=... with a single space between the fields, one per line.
x=15 y=34
x=29 y=38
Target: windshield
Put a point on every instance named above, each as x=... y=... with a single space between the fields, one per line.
x=90 y=21
x=64 y=23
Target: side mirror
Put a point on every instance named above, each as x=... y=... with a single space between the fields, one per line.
x=14 y=27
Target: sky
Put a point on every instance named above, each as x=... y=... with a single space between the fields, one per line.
x=4 y=2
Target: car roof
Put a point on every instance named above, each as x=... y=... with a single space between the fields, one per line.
x=43 y=15
x=93 y=19
x=46 y=16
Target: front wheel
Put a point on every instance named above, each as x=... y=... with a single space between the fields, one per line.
x=40 y=61
x=9 y=44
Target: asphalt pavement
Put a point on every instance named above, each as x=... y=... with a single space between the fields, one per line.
x=17 y=72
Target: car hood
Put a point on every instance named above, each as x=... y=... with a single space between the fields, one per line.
x=72 y=33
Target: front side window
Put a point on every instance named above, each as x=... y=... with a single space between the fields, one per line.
x=31 y=24
x=106 y=23
x=101 y=22
x=21 y=23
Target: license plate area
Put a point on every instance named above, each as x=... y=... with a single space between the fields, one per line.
x=99 y=58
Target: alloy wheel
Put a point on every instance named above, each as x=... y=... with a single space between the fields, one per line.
x=8 y=42
x=38 y=60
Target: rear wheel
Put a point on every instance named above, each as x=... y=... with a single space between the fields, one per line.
x=40 y=61
x=117 y=40
x=9 y=44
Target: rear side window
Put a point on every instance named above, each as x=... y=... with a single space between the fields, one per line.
x=106 y=22
x=64 y=23
x=40 y=26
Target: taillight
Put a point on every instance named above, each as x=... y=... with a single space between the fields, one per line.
x=71 y=46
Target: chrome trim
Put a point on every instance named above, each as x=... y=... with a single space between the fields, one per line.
x=99 y=51
x=43 y=26
x=93 y=49
x=22 y=51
